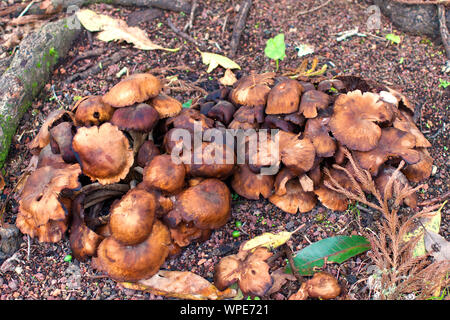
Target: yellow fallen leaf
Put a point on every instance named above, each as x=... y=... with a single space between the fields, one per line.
x=182 y=285
x=431 y=222
x=112 y=29
x=269 y=240
x=214 y=60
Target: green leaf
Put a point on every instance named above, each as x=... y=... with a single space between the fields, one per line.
x=187 y=104
x=393 y=38
x=443 y=83
x=276 y=48
x=335 y=249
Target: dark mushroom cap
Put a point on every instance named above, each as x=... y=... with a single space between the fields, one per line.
x=166 y=106
x=242 y=125
x=141 y=118
x=275 y=122
x=187 y=119
x=133 y=89
x=252 y=90
x=92 y=111
x=295 y=118
x=146 y=153
x=355 y=117
x=251 y=185
x=393 y=143
x=421 y=170
x=61 y=137
x=132 y=217
x=207 y=205
x=132 y=263
x=164 y=174
x=250 y=114
x=312 y=101
x=326 y=85
x=284 y=97
x=42 y=212
x=222 y=111
x=103 y=152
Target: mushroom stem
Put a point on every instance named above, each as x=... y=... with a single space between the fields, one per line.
x=138 y=139
x=139 y=170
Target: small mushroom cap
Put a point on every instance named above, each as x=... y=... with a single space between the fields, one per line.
x=252 y=90
x=141 y=118
x=132 y=217
x=83 y=241
x=247 y=268
x=164 y=174
x=207 y=205
x=183 y=234
x=312 y=101
x=235 y=124
x=421 y=170
x=42 y=212
x=166 y=105
x=222 y=111
x=187 y=120
x=295 y=199
x=132 y=263
x=43 y=137
x=92 y=111
x=323 y=285
x=295 y=118
x=404 y=122
x=393 y=143
x=354 y=119
x=296 y=154
x=133 y=89
x=250 y=114
x=400 y=183
x=61 y=137
x=284 y=97
x=251 y=185
x=48 y=158
x=146 y=153
x=330 y=198
x=103 y=152
x=326 y=85
x=275 y=122
x=317 y=131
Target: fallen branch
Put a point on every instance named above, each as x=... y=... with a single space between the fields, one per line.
x=190 y=23
x=181 y=33
x=441 y=198
x=239 y=25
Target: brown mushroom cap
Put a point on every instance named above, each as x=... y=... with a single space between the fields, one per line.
x=42 y=213
x=141 y=118
x=399 y=184
x=166 y=106
x=275 y=122
x=284 y=97
x=312 y=101
x=317 y=131
x=242 y=125
x=323 y=285
x=393 y=143
x=354 y=119
x=330 y=198
x=146 y=153
x=164 y=174
x=183 y=234
x=83 y=241
x=295 y=199
x=207 y=205
x=326 y=85
x=251 y=185
x=250 y=114
x=295 y=118
x=92 y=111
x=133 y=89
x=404 y=122
x=222 y=111
x=48 y=158
x=43 y=137
x=132 y=263
x=187 y=119
x=247 y=268
x=252 y=90
x=103 y=152
x=261 y=151
x=61 y=137
x=296 y=154
x=421 y=170
x=132 y=217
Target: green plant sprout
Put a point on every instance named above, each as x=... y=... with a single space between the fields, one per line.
x=276 y=48
x=443 y=83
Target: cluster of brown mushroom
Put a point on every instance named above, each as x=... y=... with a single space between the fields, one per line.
x=106 y=168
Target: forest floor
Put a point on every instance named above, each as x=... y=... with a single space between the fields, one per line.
x=414 y=66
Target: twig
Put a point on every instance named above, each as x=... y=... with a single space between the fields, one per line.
x=26 y=9
x=239 y=25
x=190 y=23
x=443 y=197
x=86 y=55
x=181 y=33
x=313 y=9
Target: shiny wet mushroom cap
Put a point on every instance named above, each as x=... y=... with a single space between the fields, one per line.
x=312 y=101
x=166 y=106
x=164 y=174
x=92 y=111
x=133 y=89
x=252 y=90
x=140 y=118
x=355 y=119
x=251 y=185
x=103 y=152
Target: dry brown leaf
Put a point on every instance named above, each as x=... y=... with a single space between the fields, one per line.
x=279 y=279
x=182 y=285
x=228 y=79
